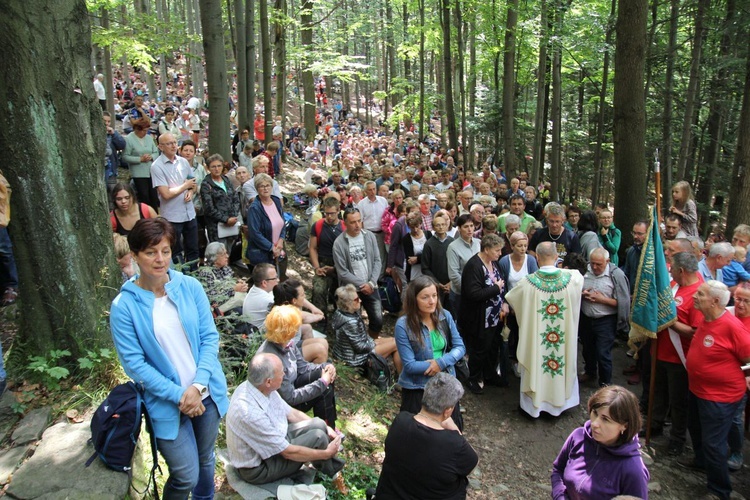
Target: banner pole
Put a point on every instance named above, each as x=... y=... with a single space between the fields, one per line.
x=652 y=344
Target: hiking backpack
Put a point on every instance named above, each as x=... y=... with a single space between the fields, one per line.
x=115 y=428
x=378 y=372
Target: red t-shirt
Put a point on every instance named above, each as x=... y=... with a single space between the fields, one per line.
x=259 y=127
x=714 y=359
x=686 y=314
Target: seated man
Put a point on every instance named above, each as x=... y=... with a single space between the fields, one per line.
x=269 y=440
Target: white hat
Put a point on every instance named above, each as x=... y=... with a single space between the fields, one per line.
x=301 y=492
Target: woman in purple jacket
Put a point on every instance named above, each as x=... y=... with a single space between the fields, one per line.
x=602 y=458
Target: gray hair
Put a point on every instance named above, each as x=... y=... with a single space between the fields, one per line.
x=441 y=392
x=685 y=261
x=547 y=250
x=261 y=178
x=723 y=249
x=719 y=291
x=261 y=369
x=599 y=251
x=512 y=219
x=213 y=251
x=345 y=298
x=697 y=242
x=368 y=183
x=423 y=197
x=553 y=208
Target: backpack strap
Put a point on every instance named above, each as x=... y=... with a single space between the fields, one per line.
x=154 y=453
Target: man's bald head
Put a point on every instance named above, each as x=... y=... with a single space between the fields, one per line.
x=546 y=253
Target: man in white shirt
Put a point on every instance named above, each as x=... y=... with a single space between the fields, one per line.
x=259 y=298
x=101 y=93
x=372 y=208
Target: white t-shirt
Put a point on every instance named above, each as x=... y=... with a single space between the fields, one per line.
x=172 y=338
x=358 y=257
x=256 y=305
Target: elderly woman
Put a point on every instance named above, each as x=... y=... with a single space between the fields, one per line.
x=425 y=454
x=481 y=314
x=352 y=342
x=167 y=342
x=602 y=459
x=222 y=288
x=306 y=385
x=221 y=204
x=265 y=217
x=314 y=347
x=140 y=152
x=428 y=343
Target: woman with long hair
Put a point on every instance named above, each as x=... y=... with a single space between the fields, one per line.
x=428 y=343
x=127 y=210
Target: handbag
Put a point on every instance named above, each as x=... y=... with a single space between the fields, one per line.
x=461 y=366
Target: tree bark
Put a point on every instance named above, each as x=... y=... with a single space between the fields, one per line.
x=598 y=154
x=460 y=78
x=666 y=135
x=108 y=75
x=265 y=43
x=470 y=158
x=629 y=116
x=555 y=172
x=306 y=36
x=540 y=139
x=243 y=116
x=250 y=51
x=509 y=80
x=279 y=44
x=216 y=77
x=739 y=189
x=450 y=114
x=422 y=130
x=53 y=140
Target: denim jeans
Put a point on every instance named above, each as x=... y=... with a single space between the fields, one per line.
x=190 y=457
x=709 y=424
x=8 y=271
x=737 y=432
x=187 y=239
x=598 y=337
x=374 y=309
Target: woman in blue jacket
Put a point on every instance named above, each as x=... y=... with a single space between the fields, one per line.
x=265 y=222
x=167 y=343
x=428 y=343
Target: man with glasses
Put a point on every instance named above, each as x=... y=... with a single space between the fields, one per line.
x=259 y=298
x=322 y=235
x=173 y=179
x=357 y=261
x=565 y=240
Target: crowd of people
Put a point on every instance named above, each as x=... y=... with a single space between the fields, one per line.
x=484 y=268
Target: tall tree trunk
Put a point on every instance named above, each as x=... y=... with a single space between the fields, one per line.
x=739 y=187
x=52 y=131
x=509 y=80
x=124 y=59
x=306 y=36
x=407 y=60
x=666 y=130
x=450 y=115
x=216 y=77
x=391 y=53
x=279 y=44
x=422 y=130
x=232 y=35
x=243 y=117
x=265 y=44
x=598 y=161
x=472 y=85
x=461 y=79
x=556 y=170
x=197 y=65
x=716 y=120
x=250 y=50
x=540 y=139
x=108 y=76
x=691 y=95
x=629 y=115
x=163 y=79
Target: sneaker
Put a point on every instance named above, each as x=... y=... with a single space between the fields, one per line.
x=734 y=462
x=690 y=464
x=474 y=387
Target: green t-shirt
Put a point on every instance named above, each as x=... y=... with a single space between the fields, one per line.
x=438 y=344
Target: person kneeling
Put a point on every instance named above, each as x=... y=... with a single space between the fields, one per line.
x=269 y=440
x=352 y=342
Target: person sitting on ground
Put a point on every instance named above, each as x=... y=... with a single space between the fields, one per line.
x=425 y=454
x=222 y=289
x=602 y=459
x=306 y=385
x=314 y=348
x=352 y=342
x=269 y=440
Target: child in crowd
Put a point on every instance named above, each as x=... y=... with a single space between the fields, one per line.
x=733 y=272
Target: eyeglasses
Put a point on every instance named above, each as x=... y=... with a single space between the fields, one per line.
x=741 y=301
x=276 y=278
x=635 y=233
x=330 y=214
x=264 y=186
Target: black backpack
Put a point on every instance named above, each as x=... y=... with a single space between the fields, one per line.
x=390 y=297
x=115 y=428
x=379 y=372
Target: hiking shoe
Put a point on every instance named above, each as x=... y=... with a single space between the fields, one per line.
x=516 y=371
x=675 y=449
x=630 y=370
x=474 y=387
x=690 y=464
x=9 y=297
x=585 y=378
x=734 y=462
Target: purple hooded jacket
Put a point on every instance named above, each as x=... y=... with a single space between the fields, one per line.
x=585 y=469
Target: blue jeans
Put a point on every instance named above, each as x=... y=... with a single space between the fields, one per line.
x=186 y=239
x=737 y=432
x=709 y=423
x=598 y=337
x=8 y=271
x=374 y=309
x=190 y=457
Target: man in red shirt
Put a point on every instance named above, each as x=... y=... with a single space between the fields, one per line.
x=671 y=385
x=720 y=346
x=737 y=432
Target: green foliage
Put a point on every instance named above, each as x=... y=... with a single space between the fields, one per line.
x=358 y=477
x=46 y=370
